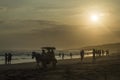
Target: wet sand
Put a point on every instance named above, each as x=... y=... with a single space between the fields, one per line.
x=105 y=68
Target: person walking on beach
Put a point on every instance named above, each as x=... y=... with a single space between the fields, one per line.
x=62 y=55
x=71 y=55
x=6 y=58
x=82 y=55
x=94 y=58
x=9 y=58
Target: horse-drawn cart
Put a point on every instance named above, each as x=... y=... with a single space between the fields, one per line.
x=47 y=56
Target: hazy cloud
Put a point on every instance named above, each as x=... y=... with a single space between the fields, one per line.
x=40 y=34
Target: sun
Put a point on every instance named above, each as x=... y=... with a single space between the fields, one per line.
x=94 y=17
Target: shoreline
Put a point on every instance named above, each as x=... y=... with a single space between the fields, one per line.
x=87 y=60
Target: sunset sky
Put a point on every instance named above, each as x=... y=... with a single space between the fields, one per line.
x=31 y=24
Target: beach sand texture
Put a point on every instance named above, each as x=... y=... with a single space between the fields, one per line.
x=105 y=68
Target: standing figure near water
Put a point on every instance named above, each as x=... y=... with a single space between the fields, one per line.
x=53 y=59
x=9 y=58
x=71 y=55
x=6 y=58
x=62 y=55
x=59 y=54
x=107 y=52
x=103 y=52
x=82 y=55
x=94 y=57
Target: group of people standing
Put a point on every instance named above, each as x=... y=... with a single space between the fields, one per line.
x=8 y=58
x=61 y=55
x=102 y=52
x=95 y=52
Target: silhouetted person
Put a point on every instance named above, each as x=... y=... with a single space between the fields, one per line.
x=103 y=52
x=45 y=60
x=49 y=53
x=6 y=58
x=44 y=53
x=82 y=55
x=62 y=55
x=52 y=54
x=9 y=58
x=94 y=58
x=107 y=52
x=54 y=60
x=71 y=55
x=100 y=52
x=59 y=54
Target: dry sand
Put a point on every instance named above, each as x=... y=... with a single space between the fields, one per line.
x=105 y=68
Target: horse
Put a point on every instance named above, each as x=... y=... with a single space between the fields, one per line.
x=39 y=58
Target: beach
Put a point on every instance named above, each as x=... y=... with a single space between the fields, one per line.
x=105 y=68
x=59 y=39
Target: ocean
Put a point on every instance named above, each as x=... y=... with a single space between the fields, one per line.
x=25 y=56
